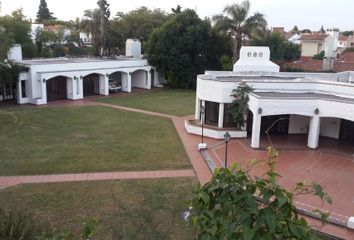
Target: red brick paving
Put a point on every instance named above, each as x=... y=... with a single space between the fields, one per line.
x=334 y=172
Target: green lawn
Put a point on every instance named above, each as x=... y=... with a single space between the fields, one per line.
x=87 y=139
x=170 y=101
x=130 y=209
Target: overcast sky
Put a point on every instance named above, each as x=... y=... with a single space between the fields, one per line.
x=310 y=14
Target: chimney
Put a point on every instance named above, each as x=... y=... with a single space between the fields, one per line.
x=133 y=48
x=15 y=53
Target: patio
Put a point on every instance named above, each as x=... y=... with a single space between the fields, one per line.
x=331 y=165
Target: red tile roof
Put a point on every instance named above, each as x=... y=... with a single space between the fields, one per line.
x=313 y=37
x=342 y=38
x=307 y=64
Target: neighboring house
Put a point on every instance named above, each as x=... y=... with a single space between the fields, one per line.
x=85 y=38
x=312 y=104
x=312 y=44
x=76 y=78
x=293 y=37
x=350 y=41
x=344 y=62
x=34 y=29
x=342 y=43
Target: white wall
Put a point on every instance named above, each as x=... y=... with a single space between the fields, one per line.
x=330 y=127
x=299 y=124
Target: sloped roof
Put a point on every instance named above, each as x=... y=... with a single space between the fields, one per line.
x=313 y=37
x=342 y=38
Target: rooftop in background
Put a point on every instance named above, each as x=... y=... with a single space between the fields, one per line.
x=313 y=37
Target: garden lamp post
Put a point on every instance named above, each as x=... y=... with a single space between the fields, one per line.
x=227 y=138
x=202 y=116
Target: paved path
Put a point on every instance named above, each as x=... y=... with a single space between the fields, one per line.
x=136 y=110
x=15 y=180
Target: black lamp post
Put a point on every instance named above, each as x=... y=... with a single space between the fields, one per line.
x=202 y=112
x=227 y=138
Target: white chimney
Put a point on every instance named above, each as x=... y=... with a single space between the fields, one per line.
x=133 y=48
x=255 y=59
x=15 y=53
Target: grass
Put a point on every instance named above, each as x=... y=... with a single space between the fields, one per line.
x=169 y=101
x=87 y=139
x=130 y=209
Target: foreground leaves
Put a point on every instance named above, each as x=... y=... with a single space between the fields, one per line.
x=234 y=205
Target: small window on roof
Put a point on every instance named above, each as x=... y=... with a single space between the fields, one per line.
x=254 y=54
x=249 y=54
x=260 y=54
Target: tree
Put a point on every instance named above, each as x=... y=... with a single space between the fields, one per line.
x=236 y=22
x=239 y=106
x=104 y=26
x=97 y=23
x=295 y=29
x=280 y=48
x=291 y=52
x=347 y=33
x=319 y=56
x=16 y=29
x=137 y=24
x=236 y=205
x=176 y=10
x=179 y=48
x=43 y=12
x=322 y=30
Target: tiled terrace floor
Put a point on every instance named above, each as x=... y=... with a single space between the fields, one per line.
x=332 y=165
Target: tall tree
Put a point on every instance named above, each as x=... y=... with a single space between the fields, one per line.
x=97 y=22
x=322 y=30
x=43 y=12
x=236 y=22
x=295 y=29
x=179 y=48
x=16 y=29
x=138 y=23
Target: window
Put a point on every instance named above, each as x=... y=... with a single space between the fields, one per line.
x=254 y=54
x=260 y=54
x=23 y=89
x=211 y=113
x=249 y=54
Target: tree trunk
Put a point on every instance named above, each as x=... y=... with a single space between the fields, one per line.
x=237 y=44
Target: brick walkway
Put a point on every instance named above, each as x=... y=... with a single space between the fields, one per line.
x=15 y=180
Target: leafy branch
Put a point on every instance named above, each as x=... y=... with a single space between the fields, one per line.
x=235 y=205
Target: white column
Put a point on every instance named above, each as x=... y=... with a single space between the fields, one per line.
x=197 y=108
x=104 y=90
x=70 y=88
x=148 y=74
x=221 y=115
x=19 y=92
x=44 y=92
x=314 y=132
x=129 y=82
x=256 y=130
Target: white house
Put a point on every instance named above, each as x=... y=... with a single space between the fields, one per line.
x=76 y=78
x=313 y=104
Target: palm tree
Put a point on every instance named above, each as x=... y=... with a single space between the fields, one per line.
x=235 y=22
